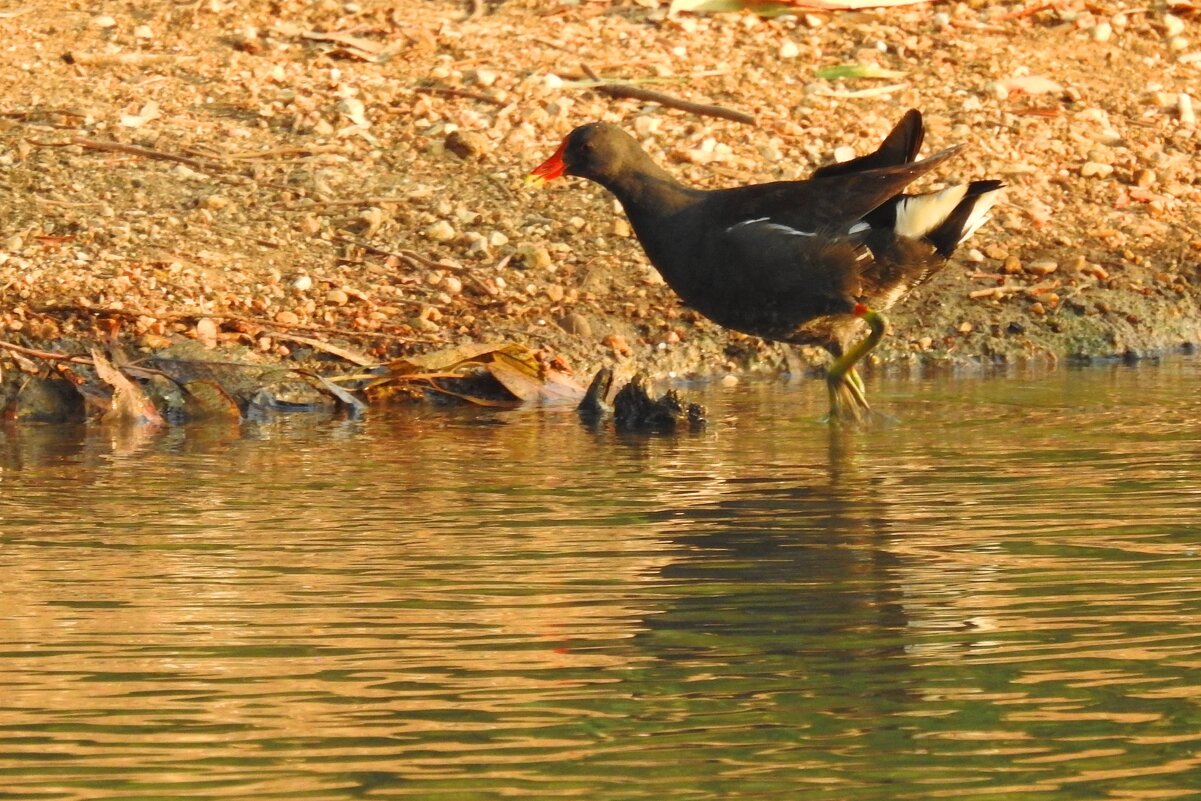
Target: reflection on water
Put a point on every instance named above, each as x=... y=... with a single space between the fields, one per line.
x=997 y=597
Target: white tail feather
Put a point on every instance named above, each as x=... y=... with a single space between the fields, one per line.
x=980 y=213
x=921 y=214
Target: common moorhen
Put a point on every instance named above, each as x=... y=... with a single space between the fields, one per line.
x=793 y=261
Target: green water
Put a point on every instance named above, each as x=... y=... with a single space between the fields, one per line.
x=996 y=597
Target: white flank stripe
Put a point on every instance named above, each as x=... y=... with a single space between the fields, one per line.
x=790 y=231
x=857 y=227
x=921 y=214
x=747 y=222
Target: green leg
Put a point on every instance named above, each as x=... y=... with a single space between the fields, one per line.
x=848 y=400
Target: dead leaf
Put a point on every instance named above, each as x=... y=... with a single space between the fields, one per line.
x=204 y=398
x=129 y=403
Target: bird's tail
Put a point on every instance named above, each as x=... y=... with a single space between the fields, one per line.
x=947 y=217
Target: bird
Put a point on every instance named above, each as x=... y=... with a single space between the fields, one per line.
x=804 y=262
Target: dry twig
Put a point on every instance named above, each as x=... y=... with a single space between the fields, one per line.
x=622 y=90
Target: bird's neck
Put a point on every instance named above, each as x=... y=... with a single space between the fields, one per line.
x=650 y=194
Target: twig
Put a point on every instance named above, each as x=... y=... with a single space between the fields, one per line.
x=622 y=90
x=132 y=150
x=233 y=318
x=449 y=91
x=44 y=354
x=304 y=205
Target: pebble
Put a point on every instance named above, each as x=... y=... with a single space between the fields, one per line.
x=617 y=344
x=337 y=297
x=214 y=202
x=533 y=257
x=576 y=323
x=1042 y=267
x=302 y=283
x=440 y=231
x=1172 y=25
x=789 y=49
x=965 y=327
x=1012 y=265
x=452 y=284
x=1102 y=32
x=996 y=252
x=555 y=293
x=1184 y=107
x=844 y=153
x=729 y=380
x=467 y=144
x=104 y=21
x=143 y=32
x=206 y=332
x=621 y=227
x=1144 y=177
x=1096 y=169
x=286 y=317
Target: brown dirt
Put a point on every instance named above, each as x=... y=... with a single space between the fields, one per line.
x=353 y=172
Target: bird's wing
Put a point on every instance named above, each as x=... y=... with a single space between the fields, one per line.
x=790 y=266
x=828 y=206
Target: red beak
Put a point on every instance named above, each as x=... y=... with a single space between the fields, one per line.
x=552 y=168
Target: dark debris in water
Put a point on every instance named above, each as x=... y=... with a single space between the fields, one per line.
x=635 y=410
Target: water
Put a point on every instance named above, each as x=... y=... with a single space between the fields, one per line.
x=998 y=597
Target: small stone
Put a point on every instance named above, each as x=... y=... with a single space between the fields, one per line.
x=533 y=257
x=104 y=21
x=1042 y=267
x=964 y=327
x=1102 y=32
x=996 y=252
x=496 y=239
x=1037 y=308
x=206 y=332
x=1012 y=265
x=143 y=32
x=617 y=344
x=467 y=144
x=844 y=153
x=302 y=283
x=576 y=323
x=1172 y=26
x=1184 y=107
x=1096 y=169
x=214 y=202
x=1143 y=177
x=555 y=293
x=621 y=227
x=440 y=231
x=452 y=284
x=286 y=317
x=337 y=297
x=925 y=343
x=729 y=380
x=789 y=49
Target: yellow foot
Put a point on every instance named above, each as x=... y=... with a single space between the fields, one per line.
x=848 y=400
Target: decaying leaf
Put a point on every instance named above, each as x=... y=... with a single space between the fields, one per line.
x=204 y=398
x=513 y=370
x=129 y=403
